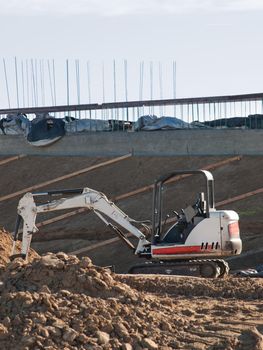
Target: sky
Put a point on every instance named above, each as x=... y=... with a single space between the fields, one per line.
x=216 y=44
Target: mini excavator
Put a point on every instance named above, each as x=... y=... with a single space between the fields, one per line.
x=194 y=244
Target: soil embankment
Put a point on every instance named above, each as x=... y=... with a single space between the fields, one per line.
x=59 y=301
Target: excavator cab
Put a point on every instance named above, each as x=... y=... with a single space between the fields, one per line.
x=201 y=236
x=189 y=217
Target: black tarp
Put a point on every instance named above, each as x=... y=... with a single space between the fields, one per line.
x=253 y=121
x=45 y=131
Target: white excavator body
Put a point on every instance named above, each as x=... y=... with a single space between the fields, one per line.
x=215 y=236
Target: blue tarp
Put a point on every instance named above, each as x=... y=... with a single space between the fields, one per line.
x=151 y=122
x=81 y=125
x=15 y=124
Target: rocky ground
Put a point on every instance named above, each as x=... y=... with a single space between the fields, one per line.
x=58 y=301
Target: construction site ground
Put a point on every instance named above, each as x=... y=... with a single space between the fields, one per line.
x=58 y=301
x=63 y=301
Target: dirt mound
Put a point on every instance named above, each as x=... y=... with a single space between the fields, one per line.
x=6 y=248
x=61 y=302
x=230 y=287
x=56 y=272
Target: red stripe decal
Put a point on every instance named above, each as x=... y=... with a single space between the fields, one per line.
x=179 y=250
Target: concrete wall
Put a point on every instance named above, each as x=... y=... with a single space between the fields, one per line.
x=152 y=143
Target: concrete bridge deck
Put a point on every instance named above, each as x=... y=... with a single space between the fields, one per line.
x=220 y=142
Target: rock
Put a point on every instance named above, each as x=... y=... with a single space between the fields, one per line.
x=138 y=347
x=28 y=340
x=43 y=331
x=62 y=255
x=73 y=259
x=69 y=335
x=52 y=261
x=85 y=262
x=46 y=299
x=65 y=292
x=40 y=318
x=6 y=321
x=54 y=331
x=114 y=343
x=16 y=264
x=3 y=332
x=108 y=278
x=45 y=289
x=120 y=330
x=103 y=338
x=149 y=344
x=58 y=323
x=107 y=327
x=99 y=284
x=165 y=326
x=83 y=338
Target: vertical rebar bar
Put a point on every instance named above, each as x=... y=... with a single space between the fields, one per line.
x=126 y=86
x=34 y=101
x=77 y=83
x=42 y=85
x=23 y=82
x=67 y=74
x=182 y=112
x=27 y=84
x=174 y=85
x=192 y=112
x=54 y=82
x=17 y=89
x=141 y=84
x=114 y=86
x=151 y=109
x=50 y=84
x=103 y=90
x=214 y=111
x=6 y=83
x=161 y=87
x=89 y=88
x=36 y=81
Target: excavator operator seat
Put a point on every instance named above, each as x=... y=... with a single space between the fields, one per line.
x=200 y=204
x=190 y=217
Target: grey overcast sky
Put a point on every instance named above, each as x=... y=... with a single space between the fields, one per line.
x=217 y=44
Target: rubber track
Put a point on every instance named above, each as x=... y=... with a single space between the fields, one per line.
x=183 y=264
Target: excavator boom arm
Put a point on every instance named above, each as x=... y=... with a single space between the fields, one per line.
x=90 y=199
